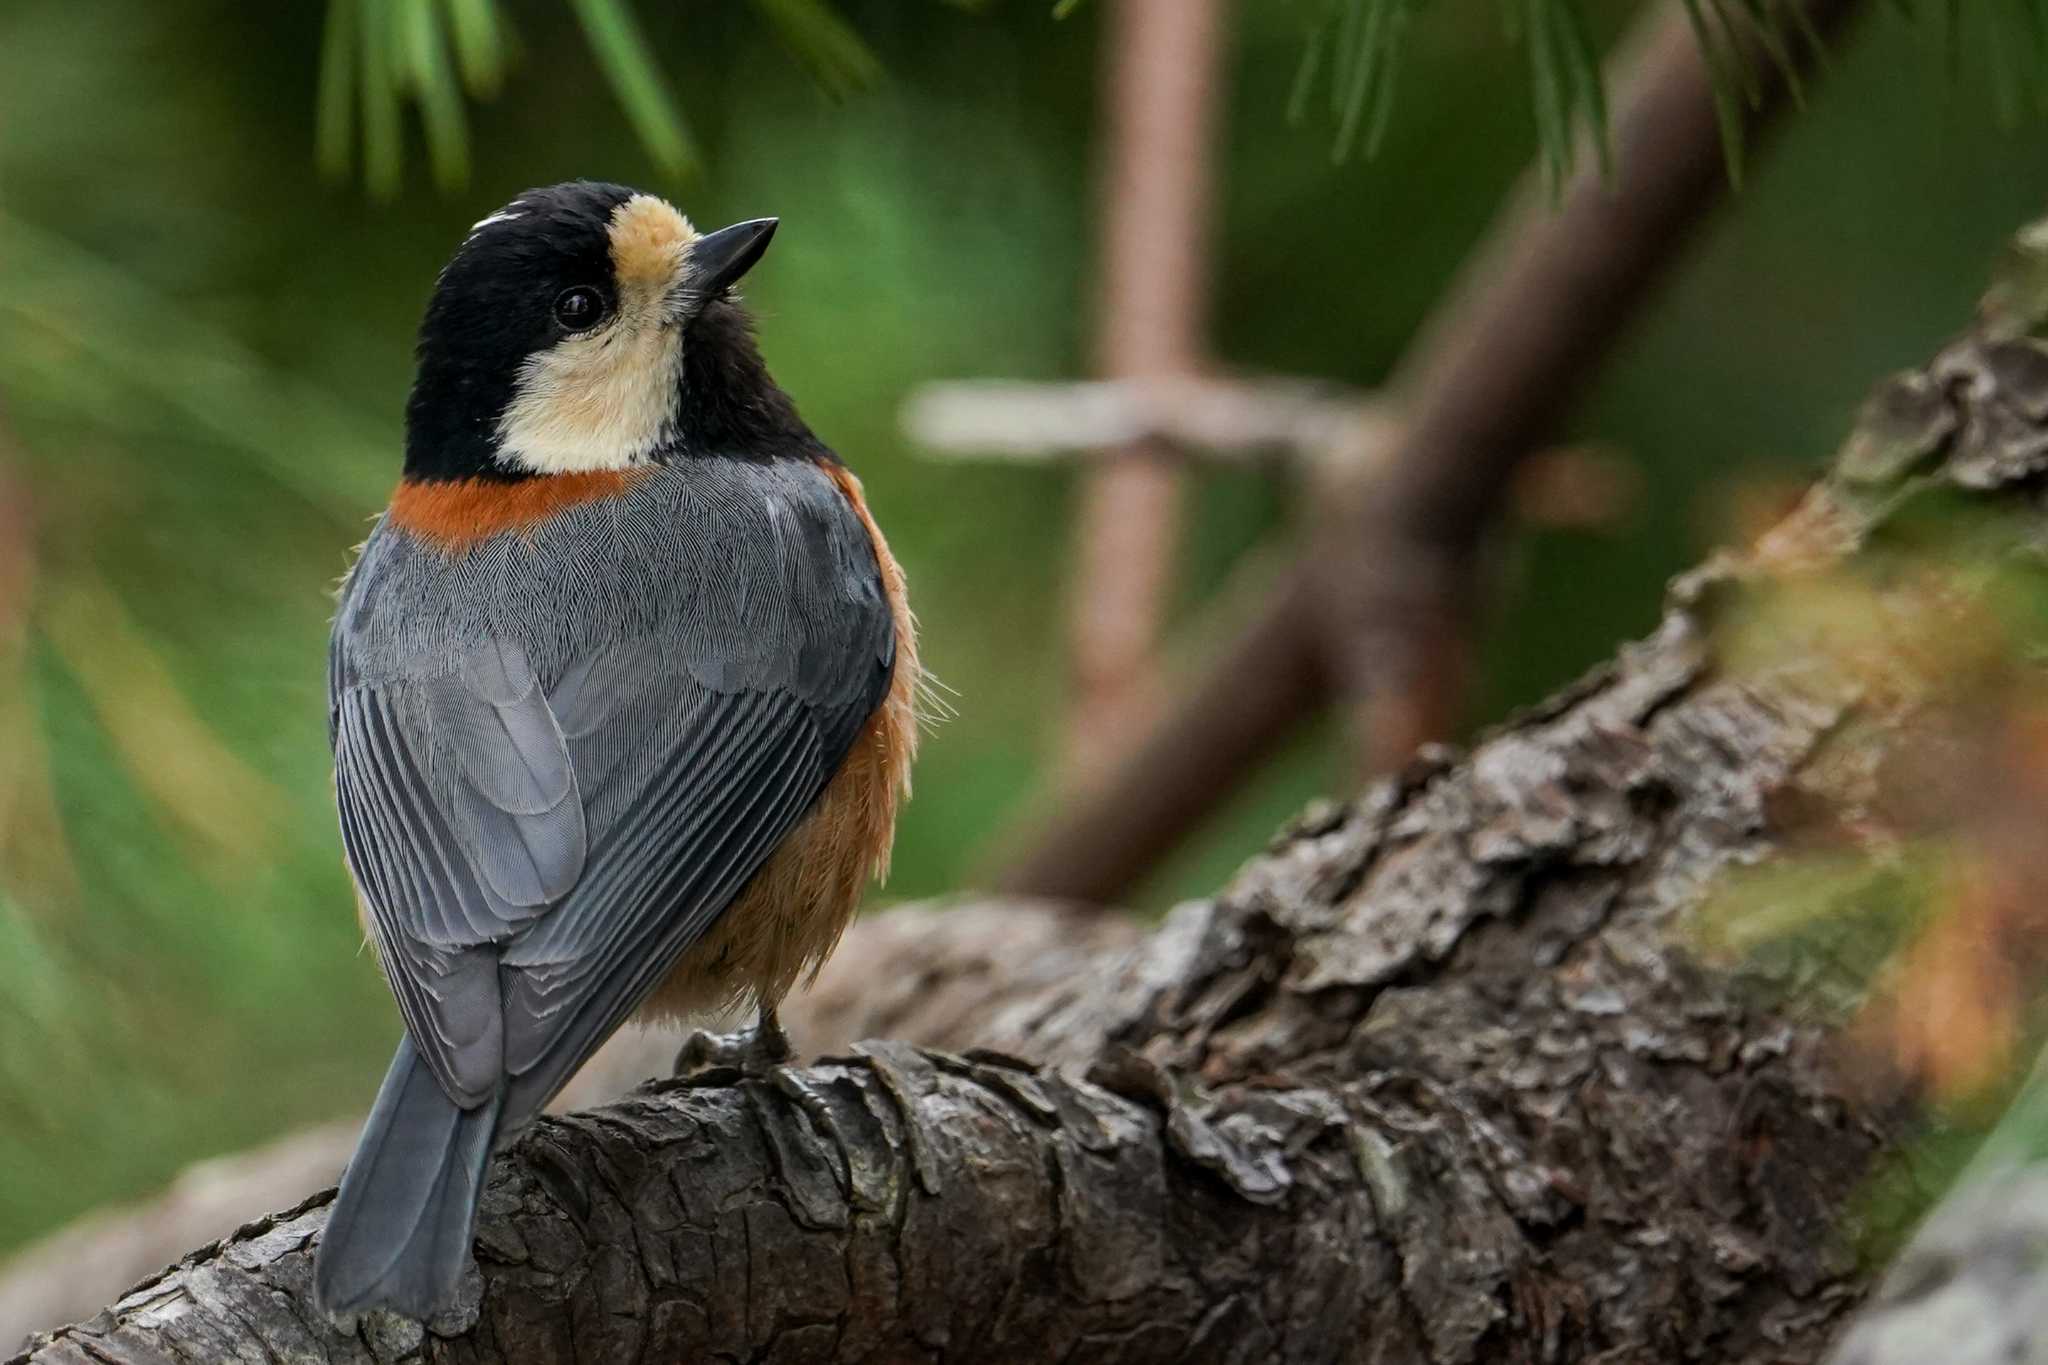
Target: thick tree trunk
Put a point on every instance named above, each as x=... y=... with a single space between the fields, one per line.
x=1435 y=1079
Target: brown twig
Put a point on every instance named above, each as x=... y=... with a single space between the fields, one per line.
x=1291 y=425
x=1375 y=614
x=1231 y=421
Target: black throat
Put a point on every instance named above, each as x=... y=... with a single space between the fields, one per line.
x=730 y=405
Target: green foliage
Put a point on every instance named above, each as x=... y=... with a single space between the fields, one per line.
x=836 y=56
x=379 y=55
x=88 y=338
x=2016 y=45
x=1815 y=930
x=1356 y=46
x=1727 y=34
x=623 y=54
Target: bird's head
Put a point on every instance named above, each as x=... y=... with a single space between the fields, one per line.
x=589 y=327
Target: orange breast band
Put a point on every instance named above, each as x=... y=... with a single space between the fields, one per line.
x=455 y=514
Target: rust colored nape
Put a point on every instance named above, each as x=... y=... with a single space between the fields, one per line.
x=455 y=514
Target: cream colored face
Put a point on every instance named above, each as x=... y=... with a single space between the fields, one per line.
x=606 y=398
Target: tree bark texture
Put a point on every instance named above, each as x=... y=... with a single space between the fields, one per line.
x=1436 y=1078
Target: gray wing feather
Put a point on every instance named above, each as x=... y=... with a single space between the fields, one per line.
x=505 y=775
x=577 y=976
x=426 y=907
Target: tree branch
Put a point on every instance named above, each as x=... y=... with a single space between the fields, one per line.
x=905 y=973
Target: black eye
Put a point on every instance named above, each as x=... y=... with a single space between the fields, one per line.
x=579 y=309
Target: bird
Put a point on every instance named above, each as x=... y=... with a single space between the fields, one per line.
x=622 y=694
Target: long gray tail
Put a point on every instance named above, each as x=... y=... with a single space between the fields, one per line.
x=399 y=1234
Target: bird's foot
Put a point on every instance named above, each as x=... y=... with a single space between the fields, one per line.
x=751 y=1052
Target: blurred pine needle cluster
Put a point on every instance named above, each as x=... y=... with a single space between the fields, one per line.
x=380 y=55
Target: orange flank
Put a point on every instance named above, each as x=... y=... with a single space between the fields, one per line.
x=454 y=514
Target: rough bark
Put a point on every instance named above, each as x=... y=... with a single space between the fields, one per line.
x=1435 y=1079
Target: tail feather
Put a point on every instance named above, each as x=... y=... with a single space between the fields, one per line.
x=399 y=1233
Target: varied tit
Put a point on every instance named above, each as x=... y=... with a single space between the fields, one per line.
x=620 y=691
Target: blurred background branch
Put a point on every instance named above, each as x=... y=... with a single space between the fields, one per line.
x=1377 y=616
x=1286 y=421
x=1162 y=63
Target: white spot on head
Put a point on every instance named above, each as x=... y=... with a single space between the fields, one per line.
x=504 y=215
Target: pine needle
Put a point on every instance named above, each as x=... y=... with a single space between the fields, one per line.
x=383 y=152
x=479 y=45
x=334 y=120
x=837 y=57
x=627 y=60
x=431 y=77
x=1727 y=86
x=1305 y=74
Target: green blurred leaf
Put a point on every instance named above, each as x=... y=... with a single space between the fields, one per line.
x=1727 y=82
x=1546 y=82
x=836 y=56
x=383 y=152
x=1361 y=44
x=624 y=56
x=479 y=45
x=1369 y=39
x=146 y=343
x=334 y=119
x=1362 y=70
x=1350 y=24
x=1305 y=74
x=1766 y=21
x=2022 y=1134
x=1588 y=83
x=431 y=78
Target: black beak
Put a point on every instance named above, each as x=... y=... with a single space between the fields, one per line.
x=718 y=259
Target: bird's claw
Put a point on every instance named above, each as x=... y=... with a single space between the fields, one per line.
x=752 y=1051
